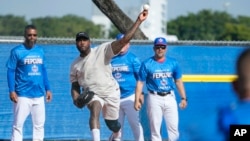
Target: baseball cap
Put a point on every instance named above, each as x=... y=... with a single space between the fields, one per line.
x=82 y=35
x=160 y=41
x=119 y=36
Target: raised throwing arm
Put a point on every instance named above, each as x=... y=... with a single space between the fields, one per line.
x=119 y=44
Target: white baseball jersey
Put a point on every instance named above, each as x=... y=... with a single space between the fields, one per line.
x=94 y=71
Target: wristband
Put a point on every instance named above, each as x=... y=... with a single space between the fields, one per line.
x=184 y=99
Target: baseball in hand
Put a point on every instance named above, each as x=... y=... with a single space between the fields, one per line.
x=145 y=7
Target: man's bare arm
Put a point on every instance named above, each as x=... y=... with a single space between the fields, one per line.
x=119 y=44
x=180 y=87
x=75 y=90
x=138 y=96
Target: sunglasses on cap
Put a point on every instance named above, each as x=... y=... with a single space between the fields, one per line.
x=160 y=47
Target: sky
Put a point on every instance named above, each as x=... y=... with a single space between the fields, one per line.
x=83 y=8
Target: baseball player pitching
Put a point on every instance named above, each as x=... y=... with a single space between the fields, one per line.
x=162 y=74
x=92 y=70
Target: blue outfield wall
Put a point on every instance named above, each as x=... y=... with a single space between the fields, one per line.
x=64 y=121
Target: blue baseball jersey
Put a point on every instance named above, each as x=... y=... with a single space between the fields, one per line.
x=30 y=72
x=160 y=76
x=125 y=69
x=234 y=114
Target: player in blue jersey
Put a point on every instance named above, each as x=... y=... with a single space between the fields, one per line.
x=28 y=83
x=125 y=69
x=162 y=75
x=238 y=113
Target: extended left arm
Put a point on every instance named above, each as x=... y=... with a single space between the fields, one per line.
x=181 y=90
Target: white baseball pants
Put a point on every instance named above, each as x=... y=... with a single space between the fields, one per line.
x=166 y=107
x=127 y=110
x=24 y=107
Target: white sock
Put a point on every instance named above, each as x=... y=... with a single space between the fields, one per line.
x=117 y=136
x=96 y=134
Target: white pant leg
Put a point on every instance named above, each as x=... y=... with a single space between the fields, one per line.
x=127 y=104
x=121 y=120
x=21 y=111
x=38 y=118
x=154 y=110
x=171 y=117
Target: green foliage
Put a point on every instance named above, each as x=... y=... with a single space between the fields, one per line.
x=12 y=25
x=113 y=32
x=244 y=20
x=205 y=25
x=66 y=26
x=236 y=32
x=208 y=25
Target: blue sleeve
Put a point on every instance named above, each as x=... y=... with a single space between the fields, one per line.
x=142 y=72
x=136 y=67
x=11 y=79
x=177 y=72
x=45 y=79
x=225 y=118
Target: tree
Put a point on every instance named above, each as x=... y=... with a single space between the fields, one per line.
x=206 y=25
x=113 y=31
x=236 y=32
x=11 y=25
x=66 y=26
x=120 y=20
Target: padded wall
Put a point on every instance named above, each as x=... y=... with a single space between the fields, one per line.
x=64 y=121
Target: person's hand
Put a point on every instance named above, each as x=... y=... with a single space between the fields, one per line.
x=75 y=96
x=141 y=99
x=13 y=97
x=137 y=105
x=48 y=96
x=143 y=15
x=183 y=104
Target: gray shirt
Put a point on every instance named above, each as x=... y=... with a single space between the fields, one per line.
x=94 y=71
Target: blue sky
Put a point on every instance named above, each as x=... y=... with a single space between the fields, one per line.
x=41 y=8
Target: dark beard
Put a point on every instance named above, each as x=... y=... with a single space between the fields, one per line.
x=29 y=43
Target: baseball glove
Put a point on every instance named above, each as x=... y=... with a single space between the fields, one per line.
x=84 y=98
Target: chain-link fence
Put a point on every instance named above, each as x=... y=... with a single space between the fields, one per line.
x=59 y=40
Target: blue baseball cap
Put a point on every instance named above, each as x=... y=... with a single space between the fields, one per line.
x=119 y=36
x=160 y=41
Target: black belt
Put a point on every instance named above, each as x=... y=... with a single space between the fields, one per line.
x=160 y=93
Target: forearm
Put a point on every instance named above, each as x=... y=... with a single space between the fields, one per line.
x=119 y=44
x=75 y=90
x=130 y=33
x=11 y=79
x=138 y=90
x=181 y=89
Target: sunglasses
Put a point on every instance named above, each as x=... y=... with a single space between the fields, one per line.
x=32 y=35
x=160 y=47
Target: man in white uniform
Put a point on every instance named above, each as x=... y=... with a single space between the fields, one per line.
x=92 y=70
x=163 y=76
